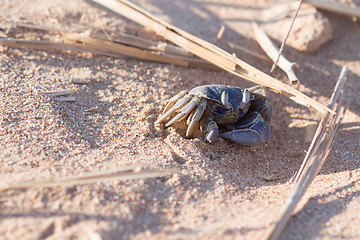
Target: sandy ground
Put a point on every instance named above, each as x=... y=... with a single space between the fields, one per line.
x=220 y=190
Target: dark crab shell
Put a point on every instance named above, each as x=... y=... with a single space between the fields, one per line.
x=213 y=92
x=215 y=108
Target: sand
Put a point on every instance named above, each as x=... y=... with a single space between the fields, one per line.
x=220 y=191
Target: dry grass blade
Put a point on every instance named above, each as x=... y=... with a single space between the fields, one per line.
x=322 y=125
x=336 y=7
x=66 y=99
x=107 y=48
x=48 y=45
x=273 y=52
x=127 y=173
x=208 y=51
x=117 y=37
x=317 y=153
x=142 y=43
x=219 y=35
x=250 y=52
x=43 y=44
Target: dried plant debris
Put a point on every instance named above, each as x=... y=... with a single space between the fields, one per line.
x=106 y=43
x=272 y=51
x=315 y=157
x=126 y=173
x=311 y=30
x=208 y=51
x=57 y=93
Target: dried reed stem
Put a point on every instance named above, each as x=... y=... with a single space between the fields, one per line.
x=119 y=37
x=273 y=52
x=107 y=48
x=317 y=153
x=335 y=6
x=321 y=129
x=43 y=44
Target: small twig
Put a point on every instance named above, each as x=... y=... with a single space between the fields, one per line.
x=57 y=93
x=219 y=35
x=66 y=99
x=273 y=52
x=335 y=6
x=286 y=37
x=127 y=173
x=91 y=109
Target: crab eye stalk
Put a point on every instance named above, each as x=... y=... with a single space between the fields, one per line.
x=225 y=99
x=246 y=96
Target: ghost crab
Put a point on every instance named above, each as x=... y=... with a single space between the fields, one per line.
x=232 y=113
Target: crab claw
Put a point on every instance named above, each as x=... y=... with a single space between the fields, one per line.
x=211 y=130
x=259 y=132
x=246 y=137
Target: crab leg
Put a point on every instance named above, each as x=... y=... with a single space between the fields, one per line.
x=188 y=120
x=259 y=90
x=173 y=100
x=184 y=111
x=211 y=129
x=178 y=105
x=195 y=118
